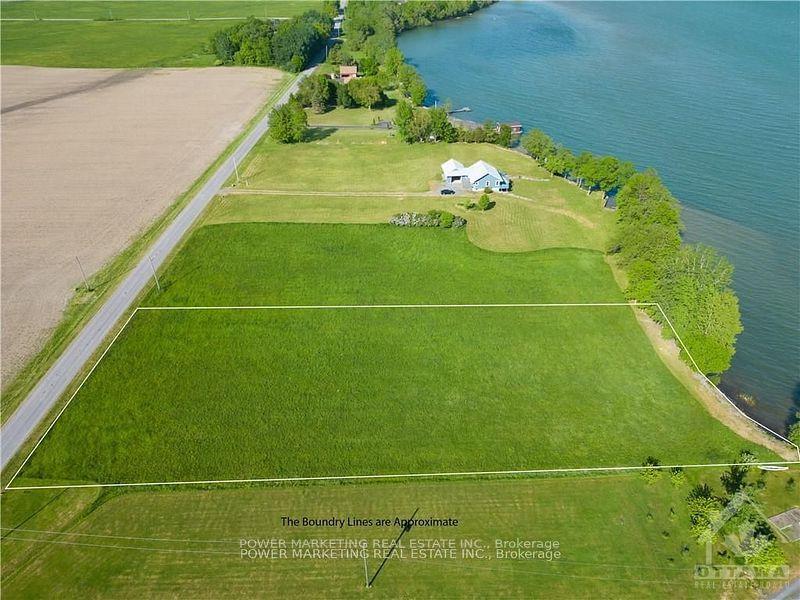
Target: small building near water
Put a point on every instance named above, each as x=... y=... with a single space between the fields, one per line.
x=478 y=176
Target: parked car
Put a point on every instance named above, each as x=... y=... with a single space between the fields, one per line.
x=446 y=192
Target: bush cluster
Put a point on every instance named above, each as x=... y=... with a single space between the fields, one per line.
x=433 y=218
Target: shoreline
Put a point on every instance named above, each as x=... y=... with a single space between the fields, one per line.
x=735 y=418
x=669 y=353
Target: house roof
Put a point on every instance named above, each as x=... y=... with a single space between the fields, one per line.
x=348 y=70
x=475 y=172
x=453 y=168
x=481 y=169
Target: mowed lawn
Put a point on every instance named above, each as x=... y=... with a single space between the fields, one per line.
x=193 y=395
x=544 y=218
x=618 y=538
x=363 y=160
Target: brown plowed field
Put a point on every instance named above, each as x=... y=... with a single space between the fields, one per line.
x=90 y=158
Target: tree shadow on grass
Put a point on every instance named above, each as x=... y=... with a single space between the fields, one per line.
x=317 y=133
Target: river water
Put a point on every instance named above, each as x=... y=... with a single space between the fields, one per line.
x=708 y=93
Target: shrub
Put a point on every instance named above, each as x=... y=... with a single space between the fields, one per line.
x=414 y=220
x=434 y=218
x=651 y=473
x=484 y=202
x=677 y=477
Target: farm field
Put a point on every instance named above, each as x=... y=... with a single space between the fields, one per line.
x=195 y=395
x=187 y=543
x=97 y=156
x=154 y=9
x=100 y=42
x=110 y=45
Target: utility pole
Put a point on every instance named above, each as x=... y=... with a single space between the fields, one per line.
x=236 y=168
x=80 y=266
x=366 y=573
x=153 y=268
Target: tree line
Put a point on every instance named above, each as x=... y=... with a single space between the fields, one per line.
x=692 y=283
x=288 y=44
x=371 y=29
x=421 y=125
x=605 y=173
x=373 y=26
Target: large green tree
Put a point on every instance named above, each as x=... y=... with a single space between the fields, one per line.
x=365 y=91
x=694 y=290
x=288 y=123
x=315 y=91
x=562 y=162
x=539 y=145
x=794 y=430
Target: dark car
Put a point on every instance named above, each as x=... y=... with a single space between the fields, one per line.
x=446 y=192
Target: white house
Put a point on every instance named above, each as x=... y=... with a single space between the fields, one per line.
x=477 y=176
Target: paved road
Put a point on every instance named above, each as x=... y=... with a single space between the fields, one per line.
x=50 y=388
x=790 y=592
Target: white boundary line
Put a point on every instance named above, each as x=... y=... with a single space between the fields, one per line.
x=394 y=476
x=75 y=393
x=399 y=475
x=344 y=306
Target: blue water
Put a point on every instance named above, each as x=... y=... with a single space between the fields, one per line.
x=707 y=93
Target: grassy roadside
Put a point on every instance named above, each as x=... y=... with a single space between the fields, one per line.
x=83 y=305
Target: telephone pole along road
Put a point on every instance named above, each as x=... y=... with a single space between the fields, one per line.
x=55 y=382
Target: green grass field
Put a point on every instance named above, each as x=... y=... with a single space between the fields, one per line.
x=243 y=394
x=120 y=43
x=153 y=9
x=619 y=538
x=353 y=116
